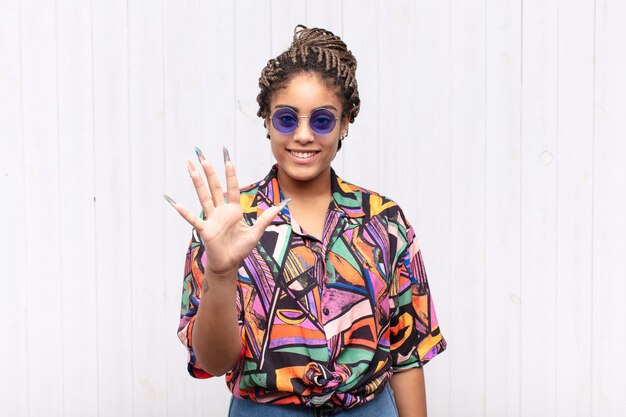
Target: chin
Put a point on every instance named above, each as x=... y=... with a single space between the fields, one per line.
x=302 y=174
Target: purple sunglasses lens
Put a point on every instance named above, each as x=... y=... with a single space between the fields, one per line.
x=322 y=121
x=285 y=120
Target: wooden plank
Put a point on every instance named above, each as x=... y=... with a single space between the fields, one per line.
x=574 y=209
x=360 y=149
x=252 y=51
x=199 y=103
x=284 y=15
x=76 y=186
x=396 y=170
x=14 y=381
x=325 y=14
x=184 y=129
x=467 y=212
x=609 y=223
x=147 y=236
x=42 y=207
x=502 y=205
x=217 y=95
x=539 y=207
x=112 y=212
x=430 y=132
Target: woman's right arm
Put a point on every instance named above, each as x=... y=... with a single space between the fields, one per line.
x=215 y=337
x=227 y=240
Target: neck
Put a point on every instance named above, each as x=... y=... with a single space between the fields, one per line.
x=305 y=190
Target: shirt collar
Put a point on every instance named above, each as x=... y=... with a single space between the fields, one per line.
x=347 y=199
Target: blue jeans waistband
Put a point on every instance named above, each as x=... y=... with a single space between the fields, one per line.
x=383 y=405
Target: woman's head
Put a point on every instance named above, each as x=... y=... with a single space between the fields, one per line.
x=318 y=52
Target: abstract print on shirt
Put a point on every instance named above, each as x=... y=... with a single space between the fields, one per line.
x=323 y=322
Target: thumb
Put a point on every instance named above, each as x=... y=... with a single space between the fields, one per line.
x=266 y=218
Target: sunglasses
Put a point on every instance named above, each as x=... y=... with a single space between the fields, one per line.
x=286 y=120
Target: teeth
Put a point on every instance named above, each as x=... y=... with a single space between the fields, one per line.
x=303 y=155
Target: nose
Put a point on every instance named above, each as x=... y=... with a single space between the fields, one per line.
x=303 y=133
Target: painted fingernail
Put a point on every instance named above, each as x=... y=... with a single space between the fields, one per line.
x=169 y=199
x=199 y=154
x=284 y=203
x=190 y=166
x=226 y=155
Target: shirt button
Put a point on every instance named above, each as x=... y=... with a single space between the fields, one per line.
x=325 y=311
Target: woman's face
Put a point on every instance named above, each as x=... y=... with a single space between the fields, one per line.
x=304 y=155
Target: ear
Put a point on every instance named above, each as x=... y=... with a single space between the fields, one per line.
x=266 y=125
x=345 y=122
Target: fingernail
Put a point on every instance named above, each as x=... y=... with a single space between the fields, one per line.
x=199 y=154
x=169 y=199
x=190 y=166
x=284 y=203
x=226 y=155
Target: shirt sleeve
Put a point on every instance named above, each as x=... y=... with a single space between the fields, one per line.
x=190 y=300
x=414 y=334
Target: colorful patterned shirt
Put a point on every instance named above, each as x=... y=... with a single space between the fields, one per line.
x=323 y=323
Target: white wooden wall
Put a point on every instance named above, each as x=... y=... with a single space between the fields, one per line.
x=500 y=127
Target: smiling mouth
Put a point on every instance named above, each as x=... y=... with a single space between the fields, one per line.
x=303 y=155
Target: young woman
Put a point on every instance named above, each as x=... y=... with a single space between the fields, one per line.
x=321 y=306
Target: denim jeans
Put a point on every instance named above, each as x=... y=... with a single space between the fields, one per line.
x=383 y=405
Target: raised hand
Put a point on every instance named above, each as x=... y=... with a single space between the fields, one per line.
x=226 y=237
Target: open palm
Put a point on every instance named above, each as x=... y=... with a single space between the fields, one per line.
x=227 y=238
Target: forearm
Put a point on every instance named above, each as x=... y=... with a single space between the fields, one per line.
x=215 y=339
x=410 y=392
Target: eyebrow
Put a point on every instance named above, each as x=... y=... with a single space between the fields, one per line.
x=328 y=106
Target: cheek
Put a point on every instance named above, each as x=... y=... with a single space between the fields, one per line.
x=276 y=145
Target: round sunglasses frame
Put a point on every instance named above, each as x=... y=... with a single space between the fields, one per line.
x=282 y=130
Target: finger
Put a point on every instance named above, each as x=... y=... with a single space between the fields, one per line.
x=213 y=180
x=190 y=217
x=201 y=189
x=232 y=184
x=266 y=218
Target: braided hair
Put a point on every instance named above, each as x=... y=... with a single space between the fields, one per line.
x=313 y=50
